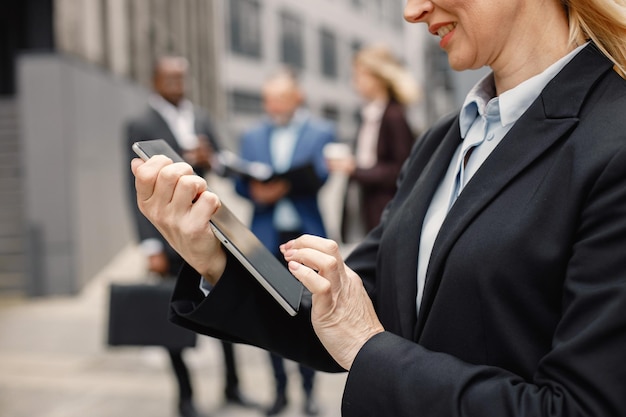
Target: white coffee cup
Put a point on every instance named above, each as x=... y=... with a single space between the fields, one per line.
x=337 y=151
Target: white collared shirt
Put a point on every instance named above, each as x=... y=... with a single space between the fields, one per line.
x=484 y=121
x=180 y=119
x=366 y=154
x=283 y=142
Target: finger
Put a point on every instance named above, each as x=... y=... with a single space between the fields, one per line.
x=146 y=174
x=315 y=283
x=320 y=287
x=314 y=251
x=325 y=264
x=167 y=180
x=187 y=190
x=201 y=212
x=135 y=164
x=208 y=200
x=315 y=242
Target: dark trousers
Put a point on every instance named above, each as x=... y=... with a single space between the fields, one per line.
x=185 y=390
x=178 y=364
x=278 y=364
x=232 y=381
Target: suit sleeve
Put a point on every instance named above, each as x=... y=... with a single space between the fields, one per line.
x=311 y=185
x=239 y=310
x=204 y=125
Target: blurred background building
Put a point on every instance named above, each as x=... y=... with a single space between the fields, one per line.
x=72 y=70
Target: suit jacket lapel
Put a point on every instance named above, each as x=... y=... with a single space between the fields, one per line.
x=300 y=151
x=406 y=227
x=198 y=121
x=549 y=118
x=262 y=145
x=160 y=125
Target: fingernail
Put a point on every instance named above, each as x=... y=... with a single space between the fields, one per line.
x=289 y=253
x=293 y=265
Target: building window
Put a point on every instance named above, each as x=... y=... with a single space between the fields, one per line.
x=377 y=9
x=357 y=4
x=356 y=45
x=245 y=27
x=292 y=40
x=328 y=42
x=246 y=102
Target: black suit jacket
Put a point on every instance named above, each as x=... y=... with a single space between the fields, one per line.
x=524 y=309
x=151 y=125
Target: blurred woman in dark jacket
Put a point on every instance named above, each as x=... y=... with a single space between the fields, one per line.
x=384 y=138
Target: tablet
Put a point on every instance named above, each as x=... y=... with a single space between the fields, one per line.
x=241 y=242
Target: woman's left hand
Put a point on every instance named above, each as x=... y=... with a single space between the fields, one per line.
x=345 y=165
x=343 y=315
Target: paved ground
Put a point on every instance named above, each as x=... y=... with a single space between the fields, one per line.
x=54 y=361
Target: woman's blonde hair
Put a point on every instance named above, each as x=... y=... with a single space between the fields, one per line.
x=381 y=62
x=603 y=22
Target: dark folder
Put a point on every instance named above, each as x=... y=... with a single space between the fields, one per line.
x=303 y=178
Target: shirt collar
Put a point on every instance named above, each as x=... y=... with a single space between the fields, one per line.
x=476 y=101
x=373 y=111
x=512 y=103
x=298 y=119
x=165 y=107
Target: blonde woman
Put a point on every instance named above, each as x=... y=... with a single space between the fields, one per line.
x=495 y=284
x=383 y=141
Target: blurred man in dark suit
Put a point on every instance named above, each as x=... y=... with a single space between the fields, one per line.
x=172 y=117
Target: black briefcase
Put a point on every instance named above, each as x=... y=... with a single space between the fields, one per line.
x=138 y=316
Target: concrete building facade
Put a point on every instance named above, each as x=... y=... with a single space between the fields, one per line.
x=233 y=45
x=96 y=70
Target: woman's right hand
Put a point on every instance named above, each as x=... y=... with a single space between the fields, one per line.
x=177 y=202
